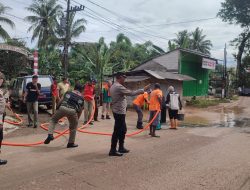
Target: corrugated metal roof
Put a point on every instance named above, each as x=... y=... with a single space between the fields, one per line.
x=168 y=75
x=136 y=78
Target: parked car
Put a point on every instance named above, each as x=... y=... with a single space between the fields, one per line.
x=18 y=88
x=245 y=91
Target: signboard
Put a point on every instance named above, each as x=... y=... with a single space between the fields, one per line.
x=208 y=63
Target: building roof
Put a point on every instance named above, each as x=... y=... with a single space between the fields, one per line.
x=168 y=61
x=161 y=75
x=136 y=78
x=169 y=75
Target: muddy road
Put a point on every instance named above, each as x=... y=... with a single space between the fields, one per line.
x=213 y=155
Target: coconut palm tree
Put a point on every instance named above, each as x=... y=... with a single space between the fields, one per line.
x=182 y=39
x=3 y=33
x=199 y=42
x=44 y=20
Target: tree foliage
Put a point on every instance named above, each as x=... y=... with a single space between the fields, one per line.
x=3 y=33
x=195 y=40
x=237 y=12
x=43 y=21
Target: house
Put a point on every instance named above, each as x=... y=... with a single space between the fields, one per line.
x=183 y=62
x=186 y=70
x=140 y=78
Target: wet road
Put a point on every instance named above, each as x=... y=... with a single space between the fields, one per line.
x=189 y=158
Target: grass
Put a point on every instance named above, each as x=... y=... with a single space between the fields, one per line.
x=235 y=97
x=204 y=103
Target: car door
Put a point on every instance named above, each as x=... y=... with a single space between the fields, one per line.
x=13 y=94
x=20 y=88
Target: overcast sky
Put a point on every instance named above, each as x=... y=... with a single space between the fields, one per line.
x=141 y=20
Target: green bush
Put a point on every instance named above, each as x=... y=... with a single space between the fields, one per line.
x=204 y=103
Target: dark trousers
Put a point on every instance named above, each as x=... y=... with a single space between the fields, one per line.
x=1 y=132
x=139 y=113
x=163 y=115
x=96 y=111
x=1 y=136
x=120 y=130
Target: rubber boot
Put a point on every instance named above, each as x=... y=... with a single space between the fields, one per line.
x=151 y=130
x=139 y=125
x=153 y=133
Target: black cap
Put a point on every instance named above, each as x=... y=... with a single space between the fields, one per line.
x=35 y=77
x=157 y=86
x=120 y=74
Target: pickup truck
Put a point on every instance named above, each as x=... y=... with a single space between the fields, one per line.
x=18 y=88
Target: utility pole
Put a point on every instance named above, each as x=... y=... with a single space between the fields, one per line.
x=225 y=71
x=67 y=30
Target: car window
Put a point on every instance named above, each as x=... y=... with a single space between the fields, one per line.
x=19 y=83
x=44 y=81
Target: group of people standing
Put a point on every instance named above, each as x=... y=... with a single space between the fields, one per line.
x=71 y=103
x=83 y=97
x=157 y=102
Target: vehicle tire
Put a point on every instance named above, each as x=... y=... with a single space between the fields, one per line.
x=12 y=103
x=49 y=106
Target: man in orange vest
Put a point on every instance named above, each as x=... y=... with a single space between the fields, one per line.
x=88 y=95
x=154 y=106
x=138 y=103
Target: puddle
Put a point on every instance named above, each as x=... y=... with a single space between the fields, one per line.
x=228 y=117
x=195 y=121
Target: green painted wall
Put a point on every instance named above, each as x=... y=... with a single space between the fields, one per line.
x=191 y=65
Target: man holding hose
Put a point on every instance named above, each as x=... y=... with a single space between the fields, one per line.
x=154 y=107
x=71 y=106
x=119 y=104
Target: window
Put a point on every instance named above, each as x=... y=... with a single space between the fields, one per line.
x=44 y=81
x=19 y=83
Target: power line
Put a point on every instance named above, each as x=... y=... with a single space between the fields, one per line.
x=145 y=33
x=99 y=17
x=181 y=22
x=144 y=26
x=108 y=22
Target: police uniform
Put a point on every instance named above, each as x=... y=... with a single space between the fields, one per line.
x=4 y=95
x=71 y=107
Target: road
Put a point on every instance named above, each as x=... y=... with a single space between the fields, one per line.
x=189 y=158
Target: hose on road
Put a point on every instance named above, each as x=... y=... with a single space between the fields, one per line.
x=61 y=133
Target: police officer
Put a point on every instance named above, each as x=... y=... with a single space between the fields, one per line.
x=4 y=96
x=71 y=106
x=119 y=104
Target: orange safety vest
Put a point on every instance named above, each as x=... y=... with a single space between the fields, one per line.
x=155 y=105
x=139 y=100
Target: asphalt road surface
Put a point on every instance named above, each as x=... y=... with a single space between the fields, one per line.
x=189 y=158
